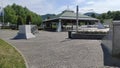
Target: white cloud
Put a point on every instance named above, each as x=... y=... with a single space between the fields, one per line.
x=42 y=7
x=38 y=6
x=97 y=6
x=90 y=2
x=104 y=6
x=49 y=6
x=78 y=1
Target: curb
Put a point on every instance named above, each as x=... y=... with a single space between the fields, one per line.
x=26 y=64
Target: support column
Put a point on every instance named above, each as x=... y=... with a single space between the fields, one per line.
x=43 y=25
x=72 y=26
x=59 y=26
x=51 y=25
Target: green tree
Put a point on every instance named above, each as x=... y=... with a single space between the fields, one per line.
x=10 y=15
x=13 y=12
x=109 y=14
x=28 y=20
x=116 y=15
x=93 y=15
x=19 y=21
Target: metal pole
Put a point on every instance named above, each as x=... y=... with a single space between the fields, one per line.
x=77 y=18
x=3 y=13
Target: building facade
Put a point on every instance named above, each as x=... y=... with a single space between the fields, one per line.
x=67 y=17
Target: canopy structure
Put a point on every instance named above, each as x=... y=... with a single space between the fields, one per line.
x=68 y=17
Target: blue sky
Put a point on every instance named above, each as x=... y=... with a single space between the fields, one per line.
x=56 y=6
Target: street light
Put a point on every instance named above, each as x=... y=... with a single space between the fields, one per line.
x=77 y=10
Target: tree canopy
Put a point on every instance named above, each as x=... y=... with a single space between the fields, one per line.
x=19 y=21
x=14 y=12
x=115 y=15
x=28 y=19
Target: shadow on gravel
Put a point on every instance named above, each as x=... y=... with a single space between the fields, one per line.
x=108 y=59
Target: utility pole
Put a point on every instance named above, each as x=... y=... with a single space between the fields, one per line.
x=2 y=13
x=77 y=9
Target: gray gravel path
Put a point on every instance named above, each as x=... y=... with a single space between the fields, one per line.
x=54 y=50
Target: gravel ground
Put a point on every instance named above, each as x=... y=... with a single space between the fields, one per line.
x=55 y=50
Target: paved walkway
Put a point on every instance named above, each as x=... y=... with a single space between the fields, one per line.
x=54 y=50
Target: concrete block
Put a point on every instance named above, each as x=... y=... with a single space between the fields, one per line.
x=24 y=32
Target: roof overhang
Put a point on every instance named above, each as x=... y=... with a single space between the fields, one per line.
x=86 y=19
x=71 y=18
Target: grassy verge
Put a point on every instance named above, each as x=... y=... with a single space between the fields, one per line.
x=9 y=57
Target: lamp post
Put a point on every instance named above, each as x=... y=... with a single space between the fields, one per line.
x=77 y=9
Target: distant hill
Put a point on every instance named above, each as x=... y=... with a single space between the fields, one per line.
x=91 y=13
x=47 y=16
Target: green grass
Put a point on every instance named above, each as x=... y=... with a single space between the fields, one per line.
x=10 y=57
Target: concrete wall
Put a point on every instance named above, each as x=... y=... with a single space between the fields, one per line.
x=107 y=41
x=116 y=37
x=112 y=40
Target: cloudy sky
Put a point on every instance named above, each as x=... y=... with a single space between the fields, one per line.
x=56 y=6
